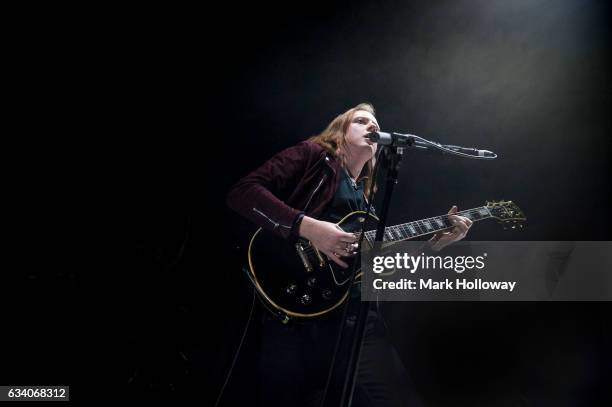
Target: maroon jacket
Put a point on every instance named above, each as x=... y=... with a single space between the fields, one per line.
x=299 y=180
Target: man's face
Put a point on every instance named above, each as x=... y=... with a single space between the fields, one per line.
x=362 y=123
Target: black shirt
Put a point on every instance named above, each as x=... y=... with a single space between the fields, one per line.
x=348 y=198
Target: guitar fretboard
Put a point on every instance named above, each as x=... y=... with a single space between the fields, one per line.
x=426 y=226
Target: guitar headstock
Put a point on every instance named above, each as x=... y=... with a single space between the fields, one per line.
x=507 y=213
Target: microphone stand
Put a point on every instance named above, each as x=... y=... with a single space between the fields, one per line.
x=340 y=387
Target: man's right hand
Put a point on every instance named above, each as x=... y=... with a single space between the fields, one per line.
x=329 y=238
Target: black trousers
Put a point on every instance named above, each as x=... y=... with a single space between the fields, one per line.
x=294 y=361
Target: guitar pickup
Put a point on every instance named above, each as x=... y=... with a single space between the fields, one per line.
x=303 y=256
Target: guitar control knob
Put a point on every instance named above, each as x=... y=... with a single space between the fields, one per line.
x=326 y=294
x=311 y=281
x=291 y=288
x=305 y=299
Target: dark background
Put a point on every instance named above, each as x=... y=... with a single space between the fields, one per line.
x=188 y=101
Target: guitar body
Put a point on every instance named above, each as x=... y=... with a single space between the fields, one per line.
x=294 y=278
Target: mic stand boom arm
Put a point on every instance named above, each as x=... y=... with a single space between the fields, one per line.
x=416 y=142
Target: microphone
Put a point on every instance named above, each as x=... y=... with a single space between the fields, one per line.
x=391 y=139
x=410 y=140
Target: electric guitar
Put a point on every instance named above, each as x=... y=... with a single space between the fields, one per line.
x=297 y=280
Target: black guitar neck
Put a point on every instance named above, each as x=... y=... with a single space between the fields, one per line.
x=427 y=226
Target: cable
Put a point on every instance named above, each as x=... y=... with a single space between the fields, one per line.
x=446 y=149
x=231 y=369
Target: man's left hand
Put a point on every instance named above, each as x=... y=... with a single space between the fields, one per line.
x=461 y=226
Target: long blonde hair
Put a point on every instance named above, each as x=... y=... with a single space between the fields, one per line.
x=334 y=137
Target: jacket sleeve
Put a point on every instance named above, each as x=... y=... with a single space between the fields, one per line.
x=260 y=195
